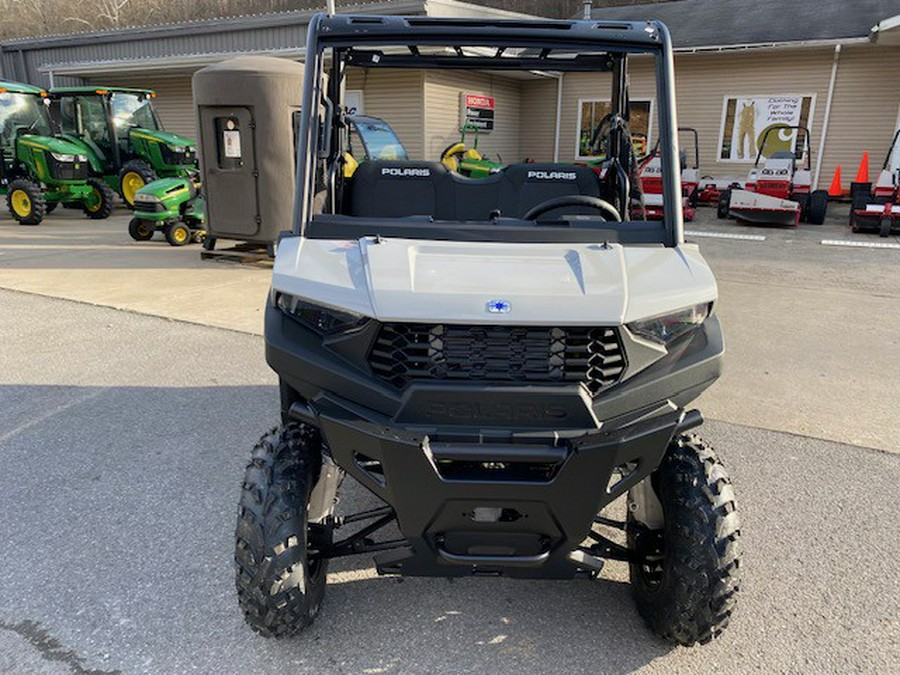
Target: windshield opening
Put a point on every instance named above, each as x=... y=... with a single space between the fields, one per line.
x=131 y=111
x=486 y=143
x=373 y=138
x=21 y=114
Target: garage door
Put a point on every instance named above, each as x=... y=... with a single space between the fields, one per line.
x=173 y=99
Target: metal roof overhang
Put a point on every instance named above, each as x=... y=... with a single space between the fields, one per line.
x=183 y=64
x=188 y=64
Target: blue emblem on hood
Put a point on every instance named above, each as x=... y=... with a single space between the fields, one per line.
x=498 y=307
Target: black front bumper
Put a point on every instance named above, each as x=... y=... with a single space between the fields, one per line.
x=518 y=508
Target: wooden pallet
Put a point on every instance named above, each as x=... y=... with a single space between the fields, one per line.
x=246 y=254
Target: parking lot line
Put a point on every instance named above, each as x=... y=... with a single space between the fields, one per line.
x=725 y=235
x=859 y=244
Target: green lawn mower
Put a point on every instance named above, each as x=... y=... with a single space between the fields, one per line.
x=173 y=206
x=121 y=135
x=469 y=162
x=38 y=170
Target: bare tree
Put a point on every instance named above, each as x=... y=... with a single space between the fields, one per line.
x=19 y=18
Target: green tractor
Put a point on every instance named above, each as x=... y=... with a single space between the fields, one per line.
x=173 y=206
x=38 y=169
x=121 y=135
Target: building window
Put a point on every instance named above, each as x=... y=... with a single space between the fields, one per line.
x=746 y=119
x=591 y=114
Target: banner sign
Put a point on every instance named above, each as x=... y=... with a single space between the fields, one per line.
x=750 y=118
x=476 y=111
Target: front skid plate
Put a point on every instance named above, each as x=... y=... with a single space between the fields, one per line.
x=438 y=517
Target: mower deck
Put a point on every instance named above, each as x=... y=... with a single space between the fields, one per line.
x=761 y=209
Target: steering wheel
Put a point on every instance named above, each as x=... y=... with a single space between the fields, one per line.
x=573 y=200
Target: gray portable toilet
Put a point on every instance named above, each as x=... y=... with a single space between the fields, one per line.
x=246 y=109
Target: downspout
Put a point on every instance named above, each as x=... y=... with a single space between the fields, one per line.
x=558 y=129
x=50 y=73
x=834 y=69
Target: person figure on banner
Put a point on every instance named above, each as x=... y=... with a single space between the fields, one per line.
x=746 y=129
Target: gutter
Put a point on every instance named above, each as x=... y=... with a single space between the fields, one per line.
x=800 y=44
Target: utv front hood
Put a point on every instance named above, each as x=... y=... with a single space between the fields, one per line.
x=61 y=146
x=498 y=283
x=164 y=137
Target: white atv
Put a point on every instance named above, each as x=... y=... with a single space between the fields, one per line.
x=496 y=360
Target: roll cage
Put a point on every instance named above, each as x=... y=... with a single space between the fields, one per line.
x=339 y=41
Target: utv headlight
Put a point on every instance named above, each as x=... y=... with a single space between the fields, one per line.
x=323 y=320
x=141 y=197
x=666 y=327
x=178 y=148
x=62 y=158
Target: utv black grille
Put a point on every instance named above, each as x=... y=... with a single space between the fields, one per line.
x=404 y=353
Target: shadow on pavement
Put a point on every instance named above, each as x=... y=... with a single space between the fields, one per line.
x=121 y=506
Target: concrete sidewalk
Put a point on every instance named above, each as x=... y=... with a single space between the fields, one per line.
x=98 y=263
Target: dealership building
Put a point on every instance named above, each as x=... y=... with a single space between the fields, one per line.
x=829 y=65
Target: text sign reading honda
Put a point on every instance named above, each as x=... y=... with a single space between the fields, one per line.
x=476 y=112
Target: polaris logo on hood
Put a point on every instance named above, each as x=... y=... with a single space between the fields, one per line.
x=414 y=173
x=552 y=175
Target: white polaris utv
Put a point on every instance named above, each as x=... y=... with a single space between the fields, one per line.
x=497 y=360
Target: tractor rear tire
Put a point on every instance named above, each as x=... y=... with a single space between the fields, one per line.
x=280 y=589
x=885 y=230
x=818 y=207
x=26 y=201
x=141 y=230
x=134 y=175
x=687 y=574
x=723 y=208
x=178 y=234
x=104 y=208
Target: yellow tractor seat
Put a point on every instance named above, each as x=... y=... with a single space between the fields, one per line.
x=350 y=165
x=452 y=154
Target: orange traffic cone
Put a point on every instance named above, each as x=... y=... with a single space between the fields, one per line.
x=835 y=189
x=862 y=176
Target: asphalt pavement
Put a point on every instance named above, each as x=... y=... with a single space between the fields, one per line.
x=123 y=439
